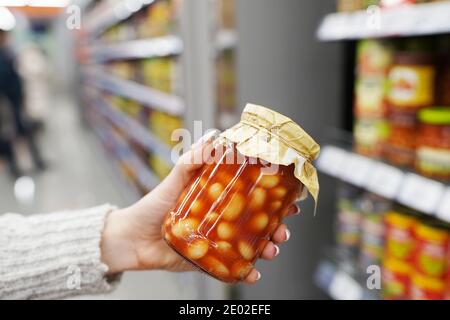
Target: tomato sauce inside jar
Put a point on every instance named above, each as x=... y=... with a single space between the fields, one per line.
x=229 y=211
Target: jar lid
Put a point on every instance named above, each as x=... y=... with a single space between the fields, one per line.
x=414 y=58
x=437 y=115
x=265 y=134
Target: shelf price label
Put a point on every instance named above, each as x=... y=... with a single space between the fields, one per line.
x=331 y=160
x=444 y=207
x=385 y=180
x=356 y=169
x=421 y=193
x=344 y=287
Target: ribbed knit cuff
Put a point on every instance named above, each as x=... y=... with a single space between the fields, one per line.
x=54 y=255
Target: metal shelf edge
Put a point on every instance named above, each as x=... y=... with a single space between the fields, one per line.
x=138 y=49
x=405 y=21
x=149 y=97
x=334 y=161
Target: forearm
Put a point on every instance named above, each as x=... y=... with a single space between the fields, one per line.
x=53 y=256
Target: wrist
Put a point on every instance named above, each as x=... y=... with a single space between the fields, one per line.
x=117 y=250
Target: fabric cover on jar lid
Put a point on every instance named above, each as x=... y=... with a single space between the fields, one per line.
x=270 y=136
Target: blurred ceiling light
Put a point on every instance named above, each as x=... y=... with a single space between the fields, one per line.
x=7 y=20
x=35 y=3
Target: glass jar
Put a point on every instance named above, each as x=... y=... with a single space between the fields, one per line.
x=236 y=201
x=423 y=288
x=396 y=279
x=373 y=209
x=412 y=80
x=399 y=235
x=400 y=146
x=348 y=222
x=432 y=244
x=443 y=82
x=433 y=151
x=370 y=136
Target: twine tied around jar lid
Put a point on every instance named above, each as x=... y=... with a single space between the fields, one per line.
x=270 y=136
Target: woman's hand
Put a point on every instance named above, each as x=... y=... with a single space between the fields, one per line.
x=132 y=238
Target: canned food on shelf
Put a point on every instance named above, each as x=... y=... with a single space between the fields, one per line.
x=373 y=209
x=396 y=280
x=431 y=249
x=425 y=288
x=348 y=224
x=400 y=236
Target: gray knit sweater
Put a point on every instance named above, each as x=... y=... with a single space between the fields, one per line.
x=53 y=256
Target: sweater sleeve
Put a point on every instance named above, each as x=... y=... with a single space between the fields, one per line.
x=53 y=256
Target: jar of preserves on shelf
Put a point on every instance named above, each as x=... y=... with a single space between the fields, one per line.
x=396 y=282
x=348 y=222
x=433 y=150
x=373 y=209
x=370 y=136
x=400 y=145
x=432 y=244
x=399 y=237
x=257 y=171
x=443 y=82
x=412 y=80
x=425 y=288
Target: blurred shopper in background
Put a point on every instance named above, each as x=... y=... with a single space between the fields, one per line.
x=11 y=90
x=6 y=150
x=33 y=66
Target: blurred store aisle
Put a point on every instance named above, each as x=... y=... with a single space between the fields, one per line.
x=79 y=176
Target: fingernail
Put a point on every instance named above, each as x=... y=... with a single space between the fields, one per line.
x=258 y=276
x=207 y=137
x=277 y=250
x=288 y=234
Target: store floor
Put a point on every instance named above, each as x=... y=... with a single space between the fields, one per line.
x=79 y=176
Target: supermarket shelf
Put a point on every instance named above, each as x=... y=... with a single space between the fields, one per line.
x=128 y=189
x=413 y=20
x=134 y=129
x=226 y=39
x=341 y=281
x=410 y=189
x=138 y=49
x=126 y=155
x=109 y=13
x=149 y=97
